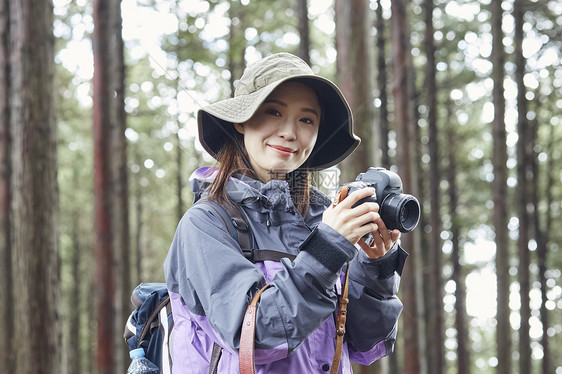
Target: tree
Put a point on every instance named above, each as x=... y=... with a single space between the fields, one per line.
x=405 y=129
x=304 y=44
x=451 y=169
x=435 y=295
x=524 y=155
x=34 y=203
x=6 y=292
x=382 y=86
x=119 y=180
x=105 y=250
x=499 y=188
x=352 y=31
x=543 y=237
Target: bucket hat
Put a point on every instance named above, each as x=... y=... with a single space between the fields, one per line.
x=336 y=139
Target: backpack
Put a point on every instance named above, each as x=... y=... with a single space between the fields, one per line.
x=150 y=324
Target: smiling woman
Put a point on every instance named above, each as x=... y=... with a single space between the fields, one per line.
x=283 y=122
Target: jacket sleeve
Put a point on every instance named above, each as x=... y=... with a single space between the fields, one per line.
x=206 y=267
x=374 y=308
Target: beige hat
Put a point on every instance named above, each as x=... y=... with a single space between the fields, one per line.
x=336 y=139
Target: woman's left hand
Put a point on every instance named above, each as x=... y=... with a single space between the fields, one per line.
x=383 y=240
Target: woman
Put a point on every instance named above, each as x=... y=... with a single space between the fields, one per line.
x=283 y=122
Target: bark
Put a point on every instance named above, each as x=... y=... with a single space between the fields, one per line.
x=139 y=223
x=75 y=311
x=37 y=333
x=463 y=345
x=6 y=291
x=543 y=237
x=237 y=43
x=354 y=77
x=391 y=364
x=524 y=145
x=381 y=80
x=405 y=128
x=499 y=189
x=105 y=279
x=435 y=296
x=179 y=177
x=91 y=333
x=119 y=181
x=302 y=16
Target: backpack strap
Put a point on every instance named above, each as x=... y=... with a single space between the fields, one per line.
x=239 y=228
x=215 y=357
x=153 y=317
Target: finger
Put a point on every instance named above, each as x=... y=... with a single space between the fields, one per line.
x=395 y=235
x=384 y=233
x=364 y=222
x=355 y=196
x=365 y=208
x=378 y=241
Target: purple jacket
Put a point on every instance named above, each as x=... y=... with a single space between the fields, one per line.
x=211 y=283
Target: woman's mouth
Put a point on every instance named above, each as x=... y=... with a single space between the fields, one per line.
x=283 y=151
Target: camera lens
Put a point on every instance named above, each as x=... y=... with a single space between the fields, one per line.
x=400 y=211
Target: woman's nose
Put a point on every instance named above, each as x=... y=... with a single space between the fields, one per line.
x=287 y=129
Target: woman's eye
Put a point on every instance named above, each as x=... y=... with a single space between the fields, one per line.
x=308 y=121
x=272 y=112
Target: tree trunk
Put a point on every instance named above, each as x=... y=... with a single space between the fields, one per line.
x=91 y=315
x=391 y=364
x=543 y=238
x=411 y=282
x=6 y=291
x=382 y=79
x=237 y=43
x=102 y=188
x=499 y=187
x=463 y=345
x=37 y=333
x=302 y=16
x=523 y=158
x=120 y=185
x=139 y=222
x=435 y=296
x=75 y=311
x=353 y=61
x=179 y=177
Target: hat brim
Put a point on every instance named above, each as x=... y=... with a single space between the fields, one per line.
x=335 y=141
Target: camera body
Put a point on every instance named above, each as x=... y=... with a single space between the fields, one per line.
x=397 y=210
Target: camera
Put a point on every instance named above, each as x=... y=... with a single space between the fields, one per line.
x=397 y=210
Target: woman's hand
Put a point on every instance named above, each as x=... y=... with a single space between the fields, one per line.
x=354 y=223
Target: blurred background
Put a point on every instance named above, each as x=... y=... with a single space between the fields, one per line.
x=99 y=137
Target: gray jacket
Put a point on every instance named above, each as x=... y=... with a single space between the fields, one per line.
x=211 y=284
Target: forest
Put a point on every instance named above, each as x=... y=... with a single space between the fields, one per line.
x=98 y=139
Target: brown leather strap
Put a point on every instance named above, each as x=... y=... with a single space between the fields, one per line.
x=343 y=301
x=247 y=338
x=340 y=323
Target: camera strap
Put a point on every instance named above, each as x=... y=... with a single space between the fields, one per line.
x=340 y=323
x=247 y=337
x=343 y=300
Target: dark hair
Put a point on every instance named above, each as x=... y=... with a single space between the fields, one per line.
x=231 y=160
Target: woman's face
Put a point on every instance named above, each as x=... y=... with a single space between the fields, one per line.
x=283 y=131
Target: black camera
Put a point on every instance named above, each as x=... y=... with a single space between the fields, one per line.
x=397 y=210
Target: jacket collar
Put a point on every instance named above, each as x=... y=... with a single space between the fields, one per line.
x=245 y=190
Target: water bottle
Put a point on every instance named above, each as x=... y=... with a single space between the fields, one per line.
x=140 y=364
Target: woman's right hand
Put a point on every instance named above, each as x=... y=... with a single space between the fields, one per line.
x=353 y=223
